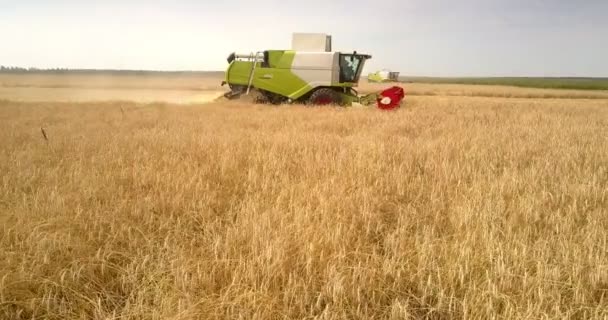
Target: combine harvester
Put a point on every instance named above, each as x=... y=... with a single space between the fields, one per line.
x=383 y=76
x=310 y=73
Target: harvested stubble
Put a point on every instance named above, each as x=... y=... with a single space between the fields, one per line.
x=449 y=208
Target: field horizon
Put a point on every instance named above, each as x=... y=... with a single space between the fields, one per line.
x=200 y=88
x=524 y=81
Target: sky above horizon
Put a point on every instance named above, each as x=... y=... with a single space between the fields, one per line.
x=415 y=37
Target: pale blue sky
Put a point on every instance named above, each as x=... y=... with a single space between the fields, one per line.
x=416 y=37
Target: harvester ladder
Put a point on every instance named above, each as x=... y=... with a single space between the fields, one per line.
x=251 y=73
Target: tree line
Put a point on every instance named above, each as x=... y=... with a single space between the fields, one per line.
x=11 y=69
x=14 y=70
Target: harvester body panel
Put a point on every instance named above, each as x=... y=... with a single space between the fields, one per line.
x=295 y=74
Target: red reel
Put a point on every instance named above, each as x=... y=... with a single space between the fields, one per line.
x=390 y=98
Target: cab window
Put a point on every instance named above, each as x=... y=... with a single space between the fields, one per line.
x=349 y=67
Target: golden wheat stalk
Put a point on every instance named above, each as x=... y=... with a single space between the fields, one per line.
x=44 y=135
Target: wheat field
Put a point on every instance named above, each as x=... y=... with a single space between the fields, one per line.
x=452 y=207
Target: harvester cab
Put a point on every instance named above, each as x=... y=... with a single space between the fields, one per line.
x=314 y=77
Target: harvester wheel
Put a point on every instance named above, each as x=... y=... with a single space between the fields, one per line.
x=325 y=96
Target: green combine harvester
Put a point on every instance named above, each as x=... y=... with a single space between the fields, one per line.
x=383 y=76
x=320 y=77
